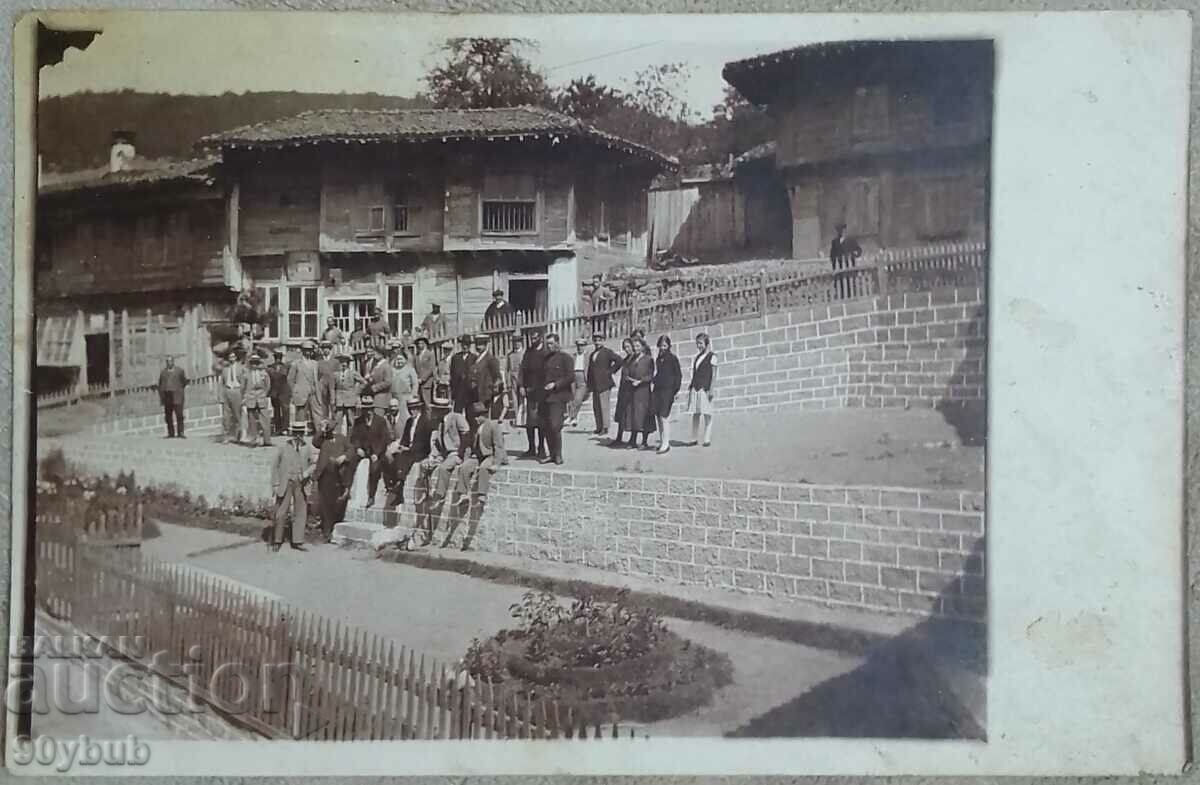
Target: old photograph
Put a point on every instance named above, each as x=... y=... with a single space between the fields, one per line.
x=509 y=387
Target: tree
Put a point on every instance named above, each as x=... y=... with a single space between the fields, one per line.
x=738 y=125
x=483 y=73
x=587 y=100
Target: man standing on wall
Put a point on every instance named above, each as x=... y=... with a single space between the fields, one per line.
x=378 y=331
x=231 y=398
x=844 y=253
x=425 y=364
x=256 y=395
x=333 y=334
x=171 y=384
x=532 y=382
x=434 y=324
x=559 y=374
x=327 y=369
x=304 y=382
x=487 y=383
x=379 y=379
x=280 y=395
x=461 y=366
x=602 y=364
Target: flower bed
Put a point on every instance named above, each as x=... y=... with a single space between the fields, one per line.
x=603 y=661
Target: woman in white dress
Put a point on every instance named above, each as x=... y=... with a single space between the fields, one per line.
x=700 y=391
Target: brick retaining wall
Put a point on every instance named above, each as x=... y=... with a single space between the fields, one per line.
x=200 y=419
x=881 y=548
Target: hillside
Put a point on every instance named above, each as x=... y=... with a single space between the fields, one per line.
x=74 y=131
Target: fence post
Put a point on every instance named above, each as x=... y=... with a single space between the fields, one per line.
x=762 y=292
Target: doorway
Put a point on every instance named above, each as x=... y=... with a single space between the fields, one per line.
x=96 y=352
x=528 y=294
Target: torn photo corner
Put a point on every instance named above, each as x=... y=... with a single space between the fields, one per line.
x=740 y=394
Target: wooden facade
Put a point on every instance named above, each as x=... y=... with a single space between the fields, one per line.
x=890 y=138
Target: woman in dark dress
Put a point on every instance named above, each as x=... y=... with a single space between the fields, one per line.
x=639 y=411
x=668 y=378
x=623 y=391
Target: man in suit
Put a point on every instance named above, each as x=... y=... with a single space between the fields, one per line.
x=256 y=397
x=291 y=469
x=487 y=384
x=434 y=324
x=410 y=446
x=533 y=382
x=171 y=384
x=379 y=378
x=333 y=334
x=602 y=364
x=425 y=364
x=461 y=365
x=497 y=311
x=484 y=457
x=231 y=398
x=512 y=375
x=304 y=382
x=426 y=507
x=347 y=392
x=559 y=374
x=332 y=490
x=370 y=439
x=377 y=328
x=280 y=395
x=449 y=447
x=327 y=368
x=579 y=390
x=844 y=253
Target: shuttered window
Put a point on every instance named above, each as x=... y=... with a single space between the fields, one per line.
x=509 y=204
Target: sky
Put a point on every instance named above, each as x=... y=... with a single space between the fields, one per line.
x=210 y=53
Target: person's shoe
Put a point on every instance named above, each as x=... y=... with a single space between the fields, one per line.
x=529 y=454
x=268 y=443
x=297 y=546
x=541 y=454
x=558 y=461
x=252 y=445
x=663 y=450
x=545 y=459
x=369 y=504
x=707 y=444
x=181 y=436
x=276 y=546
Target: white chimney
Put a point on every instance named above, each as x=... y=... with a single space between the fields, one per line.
x=122 y=153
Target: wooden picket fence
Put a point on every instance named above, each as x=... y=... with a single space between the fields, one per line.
x=128 y=401
x=698 y=302
x=279 y=671
x=117 y=521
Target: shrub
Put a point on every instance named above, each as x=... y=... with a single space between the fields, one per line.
x=52 y=468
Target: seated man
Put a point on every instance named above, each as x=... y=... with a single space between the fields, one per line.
x=487 y=454
x=450 y=447
x=424 y=502
x=412 y=446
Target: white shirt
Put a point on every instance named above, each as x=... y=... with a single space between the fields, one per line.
x=581 y=362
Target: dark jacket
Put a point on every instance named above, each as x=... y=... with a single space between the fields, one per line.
x=461 y=364
x=559 y=370
x=372 y=439
x=331 y=448
x=422 y=432
x=668 y=376
x=496 y=312
x=171 y=383
x=486 y=380
x=533 y=373
x=843 y=253
x=702 y=373
x=279 y=382
x=603 y=363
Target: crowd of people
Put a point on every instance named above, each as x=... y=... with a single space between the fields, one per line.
x=363 y=414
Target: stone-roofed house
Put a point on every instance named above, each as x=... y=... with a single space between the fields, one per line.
x=890 y=137
x=341 y=210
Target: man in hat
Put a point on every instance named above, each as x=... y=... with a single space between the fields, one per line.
x=844 y=253
x=450 y=447
x=532 y=386
x=231 y=398
x=405 y=383
x=369 y=437
x=333 y=334
x=512 y=375
x=602 y=364
x=434 y=323
x=461 y=365
x=377 y=328
x=171 y=383
x=304 y=382
x=256 y=397
x=333 y=490
x=379 y=379
x=425 y=364
x=483 y=457
x=497 y=311
x=280 y=395
x=410 y=446
x=426 y=507
x=347 y=392
x=290 y=470
x=579 y=391
x=487 y=383
x=445 y=352
x=558 y=372
x=327 y=368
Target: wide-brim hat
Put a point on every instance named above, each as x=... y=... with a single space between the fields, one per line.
x=441 y=403
x=415 y=398
x=498 y=293
x=581 y=342
x=421 y=339
x=326 y=344
x=344 y=358
x=366 y=402
x=482 y=339
x=255 y=360
x=298 y=428
x=465 y=340
x=308 y=346
x=394 y=403
x=277 y=352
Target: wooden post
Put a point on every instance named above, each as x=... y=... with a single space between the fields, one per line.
x=112 y=354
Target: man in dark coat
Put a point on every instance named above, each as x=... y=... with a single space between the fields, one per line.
x=602 y=364
x=280 y=394
x=497 y=311
x=461 y=365
x=370 y=439
x=487 y=382
x=171 y=384
x=559 y=375
x=533 y=379
x=844 y=253
x=425 y=363
x=410 y=448
x=332 y=489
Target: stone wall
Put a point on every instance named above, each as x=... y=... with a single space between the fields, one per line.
x=201 y=420
x=889 y=549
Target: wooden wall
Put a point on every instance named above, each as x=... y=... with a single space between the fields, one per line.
x=88 y=245
x=279 y=210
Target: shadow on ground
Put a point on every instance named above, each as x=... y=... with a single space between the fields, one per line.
x=916 y=686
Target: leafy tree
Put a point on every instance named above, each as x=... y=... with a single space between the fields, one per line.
x=588 y=100
x=481 y=73
x=738 y=125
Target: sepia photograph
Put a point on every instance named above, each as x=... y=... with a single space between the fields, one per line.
x=615 y=387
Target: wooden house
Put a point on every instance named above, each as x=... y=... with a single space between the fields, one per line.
x=339 y=211
x=890 y=137
x=130 y=260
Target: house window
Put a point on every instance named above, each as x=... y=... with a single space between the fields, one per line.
x=351 y=315
x=870 y=111
x=302 y=312
x=945 y=208
x=405 y=211
x=376 y=216
x=268 y=300
x=509 y=204
x=400 y=218
x=862 y=207
x=399 y=309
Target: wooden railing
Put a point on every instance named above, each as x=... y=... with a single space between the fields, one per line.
x=280 y=671
x=142 y=399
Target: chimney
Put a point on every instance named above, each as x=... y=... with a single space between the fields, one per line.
x=122 y=153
